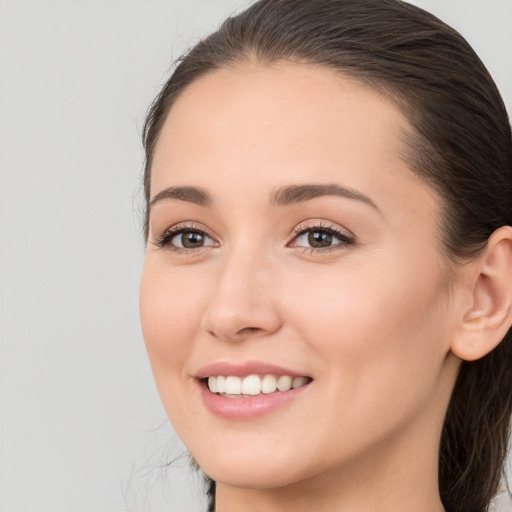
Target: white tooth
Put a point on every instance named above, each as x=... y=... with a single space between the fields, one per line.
x=221 y=384
x=212 y=384
x=233 y=385
x=268 y=384
x=284 y=383
x=298 y=382
x=251 y=385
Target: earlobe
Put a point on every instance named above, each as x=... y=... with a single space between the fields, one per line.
x=489 y=315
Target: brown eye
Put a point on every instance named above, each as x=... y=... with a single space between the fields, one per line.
x=189 y=239
x=185 y=238
x=319 y=239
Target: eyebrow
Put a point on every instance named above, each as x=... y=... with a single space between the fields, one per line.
x=189 y=194
x=291 y=194
x=298 y=193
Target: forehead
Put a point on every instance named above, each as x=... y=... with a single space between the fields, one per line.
x=279 y=124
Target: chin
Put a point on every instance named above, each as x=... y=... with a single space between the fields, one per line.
x=252 y=477
x=260 y=470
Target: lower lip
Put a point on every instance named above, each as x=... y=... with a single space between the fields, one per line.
x=248 y=407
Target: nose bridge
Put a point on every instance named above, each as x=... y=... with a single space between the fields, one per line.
x=241 y=302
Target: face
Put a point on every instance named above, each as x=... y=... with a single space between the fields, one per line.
x=290 y=243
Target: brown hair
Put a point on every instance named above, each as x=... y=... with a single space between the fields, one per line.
x=461 y=145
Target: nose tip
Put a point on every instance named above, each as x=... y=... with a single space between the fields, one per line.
x=235 y=325
x=241 y=306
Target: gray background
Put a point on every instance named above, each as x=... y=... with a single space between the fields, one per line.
x=81 y=426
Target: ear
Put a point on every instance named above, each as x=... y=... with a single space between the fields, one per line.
x=487 y=314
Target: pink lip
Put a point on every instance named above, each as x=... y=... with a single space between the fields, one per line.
x=247 y=408
x=244 y=369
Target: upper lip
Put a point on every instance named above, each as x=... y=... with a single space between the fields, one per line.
x=243 y=369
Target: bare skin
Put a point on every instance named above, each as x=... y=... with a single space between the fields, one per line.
x=371 y=316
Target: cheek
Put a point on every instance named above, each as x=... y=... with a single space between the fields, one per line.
x=169 y=311
x=170 y=318
x=361 y=298
x=377 y=331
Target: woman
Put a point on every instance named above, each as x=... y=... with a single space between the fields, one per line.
x=326 y=295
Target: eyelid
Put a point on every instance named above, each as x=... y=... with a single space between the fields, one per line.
x=164 y=239
x=320 y=225
x=345 y=236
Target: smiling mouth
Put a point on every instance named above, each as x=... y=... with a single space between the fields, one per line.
x=253 y=385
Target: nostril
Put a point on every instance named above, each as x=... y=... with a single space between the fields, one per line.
x=249 y=330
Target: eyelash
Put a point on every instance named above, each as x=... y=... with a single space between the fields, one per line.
x=345 y=239
x=165 y=239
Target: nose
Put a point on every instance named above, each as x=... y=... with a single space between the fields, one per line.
x=243 y=302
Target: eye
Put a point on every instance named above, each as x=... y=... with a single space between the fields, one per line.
x=318 y=238
x=183 y=238
x=189 y=239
